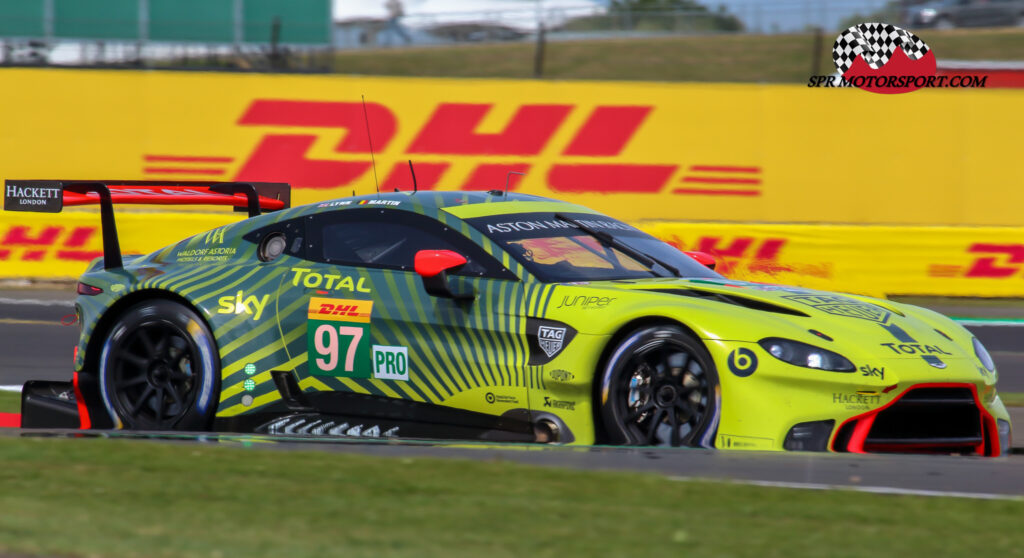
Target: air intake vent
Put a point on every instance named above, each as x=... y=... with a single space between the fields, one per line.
x=733 y=299
x=924 y=420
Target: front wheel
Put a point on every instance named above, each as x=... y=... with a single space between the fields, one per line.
x=159 y=368
x=659 y=387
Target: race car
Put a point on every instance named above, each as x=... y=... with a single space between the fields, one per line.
x=490 y=316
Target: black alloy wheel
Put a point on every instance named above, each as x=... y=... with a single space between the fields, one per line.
x=159 y=368
x=659 y=388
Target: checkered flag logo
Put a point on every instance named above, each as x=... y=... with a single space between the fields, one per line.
x=875 y=42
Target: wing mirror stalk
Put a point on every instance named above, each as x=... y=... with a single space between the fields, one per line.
x=433 y=267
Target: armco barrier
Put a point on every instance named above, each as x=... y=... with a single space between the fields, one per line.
x=876 y=260
x=710 y=152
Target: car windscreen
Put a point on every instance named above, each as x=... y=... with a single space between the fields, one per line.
x=557 y=249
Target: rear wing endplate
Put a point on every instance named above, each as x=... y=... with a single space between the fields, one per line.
x=52 y=196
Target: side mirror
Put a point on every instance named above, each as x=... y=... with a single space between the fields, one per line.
x=433 y=266
x=704 y=259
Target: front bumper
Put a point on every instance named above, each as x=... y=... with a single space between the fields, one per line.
x=947 y=418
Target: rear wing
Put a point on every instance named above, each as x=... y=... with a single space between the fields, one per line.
x=52 y=196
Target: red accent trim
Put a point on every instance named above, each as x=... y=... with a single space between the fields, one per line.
x=716 y=192
x=177 y=170
x=10 y=420
x=707 y=168
x=83 y=411
x=712 y=180
x=186 y=159
x=168 y=195
x=989 y=445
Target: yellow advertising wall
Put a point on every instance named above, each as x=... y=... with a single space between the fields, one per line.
x=873 y=259
x=835 y=189
x=709 y=152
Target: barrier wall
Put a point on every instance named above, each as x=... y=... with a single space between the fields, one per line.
x=709 y=152
x=875 y=260
x=926 y=183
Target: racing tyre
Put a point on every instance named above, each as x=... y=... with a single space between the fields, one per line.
x=659 y=387
x=159 y=369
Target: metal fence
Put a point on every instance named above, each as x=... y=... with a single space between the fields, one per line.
x=246 y=34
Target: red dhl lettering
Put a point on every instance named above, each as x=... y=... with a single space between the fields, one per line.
x=743 y=255
x=451 y=131
x=34 y=244
x=990 y=261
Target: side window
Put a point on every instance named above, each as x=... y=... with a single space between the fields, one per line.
x=390 y=239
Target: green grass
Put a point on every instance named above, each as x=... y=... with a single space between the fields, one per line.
x=728 y=58
x=1012 y=398
x=10 y=402
x=113 y=498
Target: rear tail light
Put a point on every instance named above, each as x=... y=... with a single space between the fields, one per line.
x=88 y=290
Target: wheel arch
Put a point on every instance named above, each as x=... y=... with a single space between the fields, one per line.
x=617 y=337
x=89 y=375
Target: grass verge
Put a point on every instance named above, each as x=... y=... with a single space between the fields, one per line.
x=10 y=402
x=119 y=498
x=723 y=58
x=1011 y=398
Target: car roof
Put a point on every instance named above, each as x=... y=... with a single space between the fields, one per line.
x=463 y=204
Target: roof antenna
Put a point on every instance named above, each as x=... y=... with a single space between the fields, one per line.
x=413 y=173
x=508 y=178
x=370 y=139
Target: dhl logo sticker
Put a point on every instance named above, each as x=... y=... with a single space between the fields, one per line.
x=588 y=163
x=40 y=243
x=340 y=309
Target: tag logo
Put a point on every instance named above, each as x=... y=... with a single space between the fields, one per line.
x=391 y=363
x=550 y=339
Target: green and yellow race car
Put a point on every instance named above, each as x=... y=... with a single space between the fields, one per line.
x=490 y=316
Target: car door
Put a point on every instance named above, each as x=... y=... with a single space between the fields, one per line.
x=358 y=319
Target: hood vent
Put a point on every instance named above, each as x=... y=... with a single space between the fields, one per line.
x=732 y=299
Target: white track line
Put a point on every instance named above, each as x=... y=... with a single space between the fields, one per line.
x=36 y=302
x=999 y=323
x=867 y=489
x=16 y=389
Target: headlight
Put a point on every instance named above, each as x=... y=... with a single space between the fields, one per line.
x=808 y=356
x=983 y=356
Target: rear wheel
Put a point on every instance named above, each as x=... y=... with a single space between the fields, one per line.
x=159 y=368
x=659 y=387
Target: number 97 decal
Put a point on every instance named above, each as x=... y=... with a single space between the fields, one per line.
x=325 y=341
x=337 y=338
